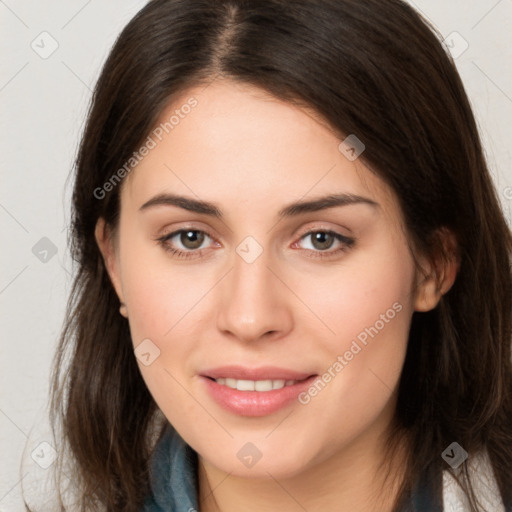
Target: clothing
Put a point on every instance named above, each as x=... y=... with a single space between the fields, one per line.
x=175 y=484
x=173 y=476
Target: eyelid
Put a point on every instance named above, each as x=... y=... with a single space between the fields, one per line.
x=166 y=231
x=323 y=227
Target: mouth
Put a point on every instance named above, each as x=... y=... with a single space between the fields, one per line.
x=255 y=392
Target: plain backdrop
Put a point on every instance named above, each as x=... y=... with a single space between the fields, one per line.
x=52 y=52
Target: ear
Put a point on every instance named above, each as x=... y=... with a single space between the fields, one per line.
x=436 y=278
x=106 y=244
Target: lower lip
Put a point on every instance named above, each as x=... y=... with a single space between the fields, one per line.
x=255 y=403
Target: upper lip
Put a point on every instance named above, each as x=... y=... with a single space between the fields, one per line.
x=262 y=373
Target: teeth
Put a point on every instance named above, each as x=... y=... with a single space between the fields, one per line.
x=255 y=385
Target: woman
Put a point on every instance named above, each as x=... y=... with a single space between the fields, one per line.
x=294 y=287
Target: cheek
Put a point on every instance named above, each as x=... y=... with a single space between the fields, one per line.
x=160 y=293
x=370 y=312
x=367 y=295
x=161 y=310
x=160 y=302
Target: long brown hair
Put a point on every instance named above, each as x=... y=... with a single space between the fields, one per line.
x=374 y=68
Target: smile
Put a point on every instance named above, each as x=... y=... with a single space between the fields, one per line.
x=255 y=385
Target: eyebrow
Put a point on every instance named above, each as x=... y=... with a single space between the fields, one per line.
x=291 y=210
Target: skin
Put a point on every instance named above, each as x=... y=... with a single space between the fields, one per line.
x=251 y=155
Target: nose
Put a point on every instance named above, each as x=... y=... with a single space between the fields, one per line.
x=254 y=303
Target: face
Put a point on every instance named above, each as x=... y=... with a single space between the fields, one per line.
x=223 y=278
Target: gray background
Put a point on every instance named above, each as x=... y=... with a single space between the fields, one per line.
x=44 y=100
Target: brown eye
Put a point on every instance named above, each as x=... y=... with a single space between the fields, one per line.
x=185 y=242
x=322 y=240
x=191 y=239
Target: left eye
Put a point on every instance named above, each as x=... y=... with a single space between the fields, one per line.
x=324 y=240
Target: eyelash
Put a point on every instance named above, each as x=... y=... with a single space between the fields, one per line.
x=346 y=242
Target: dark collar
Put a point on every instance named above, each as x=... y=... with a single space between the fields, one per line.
x=173 y=476
x=426 y=494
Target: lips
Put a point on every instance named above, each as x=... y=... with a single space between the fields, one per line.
x=247 y=391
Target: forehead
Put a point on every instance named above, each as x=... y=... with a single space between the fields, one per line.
x=238 y=142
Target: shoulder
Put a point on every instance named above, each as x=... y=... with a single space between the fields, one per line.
x=484 y=482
